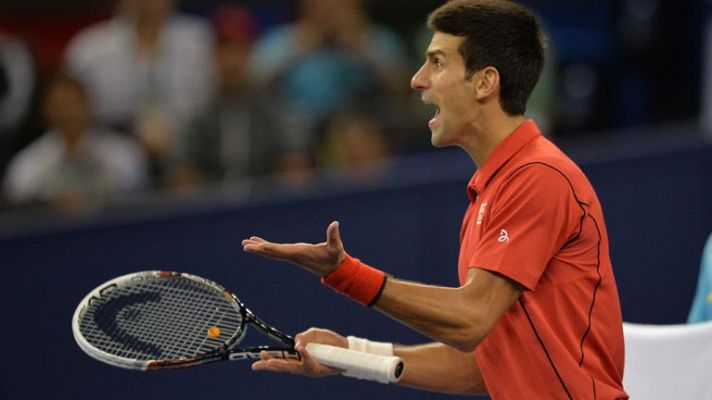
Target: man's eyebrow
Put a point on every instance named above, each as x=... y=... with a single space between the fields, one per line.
x=433 y=53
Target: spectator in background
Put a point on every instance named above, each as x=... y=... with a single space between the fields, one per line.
x=147 y=70
x=4 y=85
x=239 y=134
x=328 y=59
x=18 y=82
x=701 y=310
x=706 y=77
x=355 y=144
x=17 y=95
x=75 y=165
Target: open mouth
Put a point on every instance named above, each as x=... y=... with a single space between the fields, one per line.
x=434 y=119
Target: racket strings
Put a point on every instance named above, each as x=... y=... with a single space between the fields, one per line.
x=179 y=318
x=160 y=318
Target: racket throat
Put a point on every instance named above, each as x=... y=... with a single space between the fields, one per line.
x=253 y=353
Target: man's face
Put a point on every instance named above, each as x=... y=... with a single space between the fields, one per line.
x=442 y=83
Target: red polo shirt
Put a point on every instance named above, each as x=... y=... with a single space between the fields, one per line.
x=535 y=219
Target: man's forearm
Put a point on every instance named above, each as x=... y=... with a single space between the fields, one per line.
x=459 y=317
x=439 y=368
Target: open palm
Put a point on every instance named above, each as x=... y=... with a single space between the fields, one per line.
x=320 y=259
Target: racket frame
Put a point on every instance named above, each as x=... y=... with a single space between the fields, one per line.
x=227 y=351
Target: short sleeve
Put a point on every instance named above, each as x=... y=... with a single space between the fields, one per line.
x=534 y=213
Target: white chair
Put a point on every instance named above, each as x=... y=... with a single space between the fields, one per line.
x=668 y=361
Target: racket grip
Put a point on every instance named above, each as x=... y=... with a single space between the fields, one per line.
x=384 y=369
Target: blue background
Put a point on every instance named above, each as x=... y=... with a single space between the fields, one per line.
x=656 y=205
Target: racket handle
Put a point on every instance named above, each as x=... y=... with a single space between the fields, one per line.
x=357 y=364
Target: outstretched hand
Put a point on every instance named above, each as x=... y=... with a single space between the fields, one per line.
x=320 y=259
x=307 y=366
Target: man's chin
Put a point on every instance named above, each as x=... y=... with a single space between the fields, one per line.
x=437 y=141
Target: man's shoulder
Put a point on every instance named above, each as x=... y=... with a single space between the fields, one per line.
x=544 y=152
x=545 y=160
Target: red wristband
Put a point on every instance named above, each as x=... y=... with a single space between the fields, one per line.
x=357 y=280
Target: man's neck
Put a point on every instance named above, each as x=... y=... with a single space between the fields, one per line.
x=488 y=133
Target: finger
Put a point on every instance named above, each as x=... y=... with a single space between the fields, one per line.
x=257 y=245
x=263 y=363
x=264 y=248
x=260 y=366
x=333 y=237
x=309 y=363
x=275 y=365
x=307 y=336
x=249 y=246
x=269 y=363
x=311 y=366
x=301 y=348
x=256 y=239
x=265 y=356
x=253 y=240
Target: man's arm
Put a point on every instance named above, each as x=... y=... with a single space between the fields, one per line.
x=435 y=367
x=440 y=368
x=459 y=317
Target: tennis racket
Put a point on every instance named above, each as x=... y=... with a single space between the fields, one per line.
x=156 y=320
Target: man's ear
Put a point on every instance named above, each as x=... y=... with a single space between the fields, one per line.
x=486 y=82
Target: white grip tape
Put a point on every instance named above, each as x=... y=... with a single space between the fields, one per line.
x=357 y=364
x=367 y=346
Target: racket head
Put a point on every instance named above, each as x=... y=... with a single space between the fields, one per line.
x=158 y=319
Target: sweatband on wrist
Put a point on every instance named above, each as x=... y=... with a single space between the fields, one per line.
x=357 y=280
x=367 y=346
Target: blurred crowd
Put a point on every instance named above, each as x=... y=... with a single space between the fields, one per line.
x=150 y=98
x=155 y=99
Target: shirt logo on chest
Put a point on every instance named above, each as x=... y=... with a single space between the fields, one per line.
x=481 y=213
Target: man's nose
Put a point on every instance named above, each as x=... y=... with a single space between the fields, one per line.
x=419 y=81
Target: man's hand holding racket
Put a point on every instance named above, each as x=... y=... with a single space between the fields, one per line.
x=338 y=270
x=156 y=320
x=307 y=366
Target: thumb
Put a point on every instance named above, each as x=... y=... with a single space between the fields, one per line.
x=333 y=237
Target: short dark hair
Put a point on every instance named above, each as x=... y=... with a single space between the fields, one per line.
x=501 y=34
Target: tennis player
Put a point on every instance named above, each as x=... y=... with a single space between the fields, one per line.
x=537 y=314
